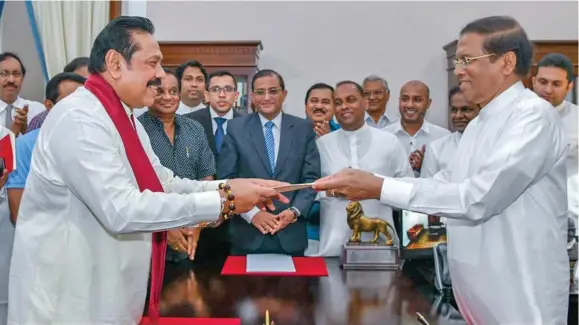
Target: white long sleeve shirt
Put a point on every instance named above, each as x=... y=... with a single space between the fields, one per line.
x=439 y=154
x=82 y=247
x=505 y=199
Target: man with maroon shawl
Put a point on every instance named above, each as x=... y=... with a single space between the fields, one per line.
x=97 y=200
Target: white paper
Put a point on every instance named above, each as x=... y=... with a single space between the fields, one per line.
x=269 y=263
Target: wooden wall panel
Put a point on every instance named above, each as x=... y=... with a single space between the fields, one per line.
x=115 y=8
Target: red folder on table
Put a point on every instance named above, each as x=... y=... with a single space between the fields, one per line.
x=8 y=149
x=190 y=321
x=305 y=266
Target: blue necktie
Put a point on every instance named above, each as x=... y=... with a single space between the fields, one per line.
x=220 y=133
x=270 y=145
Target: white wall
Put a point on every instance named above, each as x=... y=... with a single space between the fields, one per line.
x=308 y=42
x=17 y=37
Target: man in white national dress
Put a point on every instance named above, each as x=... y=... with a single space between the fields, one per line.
x=504 y=193
x=96 y=191
x=355 y=145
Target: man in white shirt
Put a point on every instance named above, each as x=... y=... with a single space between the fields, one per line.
x=504 y=195
x=377 y=92
x=413 y=130
x=554 y=80
x=360 y=146
x=96 y=191
x=440 y=152
x=192 y=78
x=15 y=111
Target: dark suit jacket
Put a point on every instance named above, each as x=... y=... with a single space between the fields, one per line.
x=204 y=118
x=243 y=155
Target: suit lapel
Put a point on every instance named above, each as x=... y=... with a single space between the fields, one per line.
x=256 y=134
x=208 y=126
x=286 y=136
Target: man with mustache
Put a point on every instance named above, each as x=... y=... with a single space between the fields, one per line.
x=192 y=77
x=440 y=152
x=554 y=80
x=320 y=108
x=98 y=201
x=377 y=92
x=413 y=130
x=15 y=111
x=355 y=145
x=504 y=196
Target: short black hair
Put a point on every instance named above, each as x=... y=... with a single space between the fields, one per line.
x=504 y=34
x=319 y=85
x=6 y=55
x=52 y=91
x=267 y=73
x=452 y=92
x=221 y=73
x=76 y=63
x=557 y=60
x=350 y=82
x=117 y=35
x=191 y=63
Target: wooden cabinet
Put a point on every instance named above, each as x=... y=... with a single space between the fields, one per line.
x=238 y=57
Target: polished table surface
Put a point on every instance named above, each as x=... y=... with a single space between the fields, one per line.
x=344 y=297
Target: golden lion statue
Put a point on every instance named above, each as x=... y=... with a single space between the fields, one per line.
x=359 y=223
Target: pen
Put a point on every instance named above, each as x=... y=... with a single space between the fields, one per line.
x=187 y=149
x=421 y=319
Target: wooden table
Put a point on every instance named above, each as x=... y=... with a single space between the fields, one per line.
x=344 y=297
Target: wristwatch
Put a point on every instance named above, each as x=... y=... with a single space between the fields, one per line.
x=296 y=213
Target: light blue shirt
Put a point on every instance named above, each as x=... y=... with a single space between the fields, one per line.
x=24 y=146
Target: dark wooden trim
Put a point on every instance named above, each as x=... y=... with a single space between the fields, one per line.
x=212 y=54
x=115 y=9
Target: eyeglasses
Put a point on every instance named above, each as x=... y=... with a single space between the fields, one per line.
x=464 y=61
x=6 y=74
x=376 y=93
x=273 y=92
x=216 y=90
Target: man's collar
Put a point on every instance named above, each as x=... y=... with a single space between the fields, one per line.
x=17 y=103
x=425 y=127
x=276 y=120
x=497 y=105
x=561 y=106
x=227 y=116
x=383 y=117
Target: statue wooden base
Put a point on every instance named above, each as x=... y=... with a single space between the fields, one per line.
x=369 y=256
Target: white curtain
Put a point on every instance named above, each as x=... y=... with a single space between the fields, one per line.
x=68 y=29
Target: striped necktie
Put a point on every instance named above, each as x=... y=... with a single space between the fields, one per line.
x=270 y=145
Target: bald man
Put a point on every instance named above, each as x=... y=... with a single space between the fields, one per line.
x=413 y=131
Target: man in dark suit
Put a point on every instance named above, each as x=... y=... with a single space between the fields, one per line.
x=221 y=94
x=271 y=145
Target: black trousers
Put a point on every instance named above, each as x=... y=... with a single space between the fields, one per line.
x=270 y=245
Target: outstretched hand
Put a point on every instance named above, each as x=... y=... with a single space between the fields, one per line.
x=353 y=184
x=251 y=192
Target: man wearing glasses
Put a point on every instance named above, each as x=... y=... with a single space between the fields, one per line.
x=221 y=94
x=377 y=92
x=271 y=145
x=15 y=112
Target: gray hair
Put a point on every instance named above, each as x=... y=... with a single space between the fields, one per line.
x=374 y=77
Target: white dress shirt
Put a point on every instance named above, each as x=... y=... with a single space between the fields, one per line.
x=228 y=116
x=184 y=108
x=427 y=133
x=439 y=154
x=368 y=149
x=276 y=130
x=569 y=116
x=506 y=203
x=34 y=108
x=82 y=248
x=383 y=121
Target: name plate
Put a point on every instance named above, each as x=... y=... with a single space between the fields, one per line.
x=368 y=256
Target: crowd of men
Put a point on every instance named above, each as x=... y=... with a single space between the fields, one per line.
x=195 y=132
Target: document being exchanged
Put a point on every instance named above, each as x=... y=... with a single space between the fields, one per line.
x=292 y=187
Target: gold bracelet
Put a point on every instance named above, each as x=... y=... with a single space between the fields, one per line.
x=230 y=198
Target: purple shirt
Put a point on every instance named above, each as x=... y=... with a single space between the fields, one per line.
x=37 y=121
